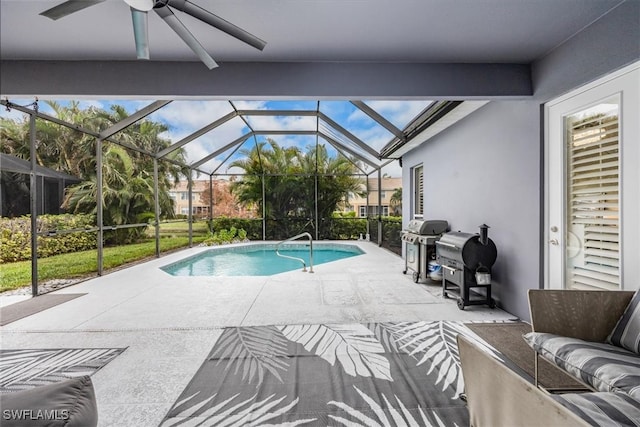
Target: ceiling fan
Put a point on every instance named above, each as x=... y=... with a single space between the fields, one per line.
x=139 y=9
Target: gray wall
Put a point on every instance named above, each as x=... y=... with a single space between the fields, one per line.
x=486 y=170
x=605 y=46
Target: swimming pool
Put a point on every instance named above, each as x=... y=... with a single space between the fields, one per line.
x=257 y=259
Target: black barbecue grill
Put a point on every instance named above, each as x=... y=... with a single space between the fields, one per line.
x=420 y=238
x=466 y=260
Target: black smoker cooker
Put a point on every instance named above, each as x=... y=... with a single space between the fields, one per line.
x=466 y=261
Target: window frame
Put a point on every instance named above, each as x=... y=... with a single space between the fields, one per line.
x=417 y=194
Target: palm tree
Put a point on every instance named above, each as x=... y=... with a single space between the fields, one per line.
x=128 y=193
x=396 y=201
x=289 y=177
x=278 y=167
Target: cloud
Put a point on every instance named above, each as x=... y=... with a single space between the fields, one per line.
x=259 y=123
x=400 y=113
x=191 y=115
x=183 y=117
x=14 y=115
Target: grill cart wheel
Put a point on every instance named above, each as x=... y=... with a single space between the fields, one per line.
x=492 y=303
x=416 y=276
x=460 y=303
x=404 y=272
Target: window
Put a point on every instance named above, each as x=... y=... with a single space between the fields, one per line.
x=383 y=194
x=593 y=203
x=418 y=191
x=363 y=211
x=385 y=211
x=184 y=195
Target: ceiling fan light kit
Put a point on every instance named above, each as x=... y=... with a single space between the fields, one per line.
x=139 y=16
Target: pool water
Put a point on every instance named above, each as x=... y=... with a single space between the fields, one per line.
x=257 y=260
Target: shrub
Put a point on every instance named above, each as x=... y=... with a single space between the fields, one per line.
x=225 y=236
x=345 y=226
x=15 y=236
x=253 y=227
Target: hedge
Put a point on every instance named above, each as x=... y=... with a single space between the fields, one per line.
x=338 y=227
x=15 y=236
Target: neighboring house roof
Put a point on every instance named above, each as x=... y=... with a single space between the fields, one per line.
x=9 y=163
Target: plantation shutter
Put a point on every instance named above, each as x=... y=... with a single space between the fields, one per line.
x=419 y=190
x=593 y=238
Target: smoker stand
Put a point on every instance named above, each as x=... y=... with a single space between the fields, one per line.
x=450 y=287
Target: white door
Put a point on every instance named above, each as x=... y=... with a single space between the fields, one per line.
x=592 y=159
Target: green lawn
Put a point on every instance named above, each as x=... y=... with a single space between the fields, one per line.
x=80 y=264
x=174 y=229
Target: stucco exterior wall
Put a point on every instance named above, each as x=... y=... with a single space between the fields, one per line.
x=486 y=169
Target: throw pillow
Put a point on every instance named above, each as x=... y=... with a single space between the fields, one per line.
x=626 y=334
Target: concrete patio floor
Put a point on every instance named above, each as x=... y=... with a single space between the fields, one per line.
x=169 y=324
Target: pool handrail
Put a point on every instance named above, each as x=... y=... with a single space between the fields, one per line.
x=304 y=264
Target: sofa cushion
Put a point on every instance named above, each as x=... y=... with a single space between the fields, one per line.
x=602 y=409
x=69 y=403
x=602 y=366
x=626 y=334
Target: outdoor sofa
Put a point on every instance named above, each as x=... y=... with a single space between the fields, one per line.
x=592 y=335
x=67 y=403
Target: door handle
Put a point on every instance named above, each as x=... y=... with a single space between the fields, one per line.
x=554 y=242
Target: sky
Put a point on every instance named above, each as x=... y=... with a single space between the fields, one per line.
x=183 y=117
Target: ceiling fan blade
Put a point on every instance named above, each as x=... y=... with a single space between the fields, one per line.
x=68 y=7
x=217 y=22
x=172 y=20
x=140 y=33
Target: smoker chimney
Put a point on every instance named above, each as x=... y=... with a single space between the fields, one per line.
x=484 y=234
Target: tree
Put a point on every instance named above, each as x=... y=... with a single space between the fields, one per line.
x=396 y=201
x=272 y=163
x=128 y=191
x=225 y=203
x=290 y=183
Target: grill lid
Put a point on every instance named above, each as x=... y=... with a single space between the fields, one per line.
x=427 y=228
x=467 y=249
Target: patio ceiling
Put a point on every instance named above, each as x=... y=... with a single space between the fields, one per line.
x=436 y=31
